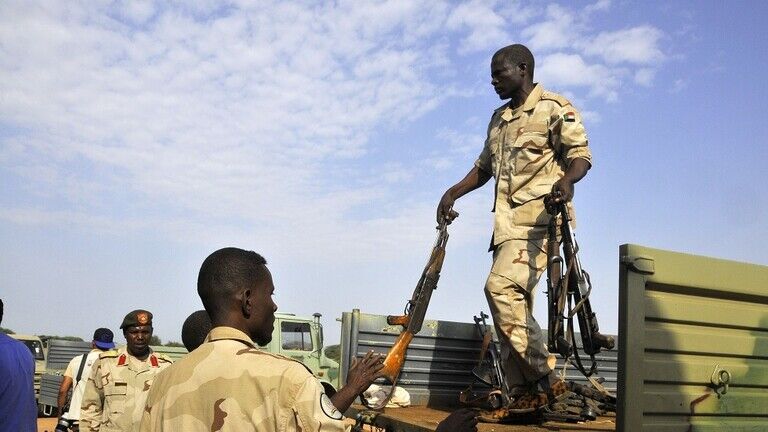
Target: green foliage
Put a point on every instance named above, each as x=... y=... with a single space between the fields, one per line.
x=155 y=340
x=333 y=352
x=174 y=344
x=7 y=330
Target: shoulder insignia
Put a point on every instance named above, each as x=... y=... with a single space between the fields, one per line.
x=153 y=361
x=562 y=101
x=108 y=354
x=163 y=358
x=122 y=360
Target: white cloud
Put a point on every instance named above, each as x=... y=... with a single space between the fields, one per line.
x=486 y=27
x=637 y=45
x=556 y=32
x=571 y=70
x=253 y=112
x=644 y=76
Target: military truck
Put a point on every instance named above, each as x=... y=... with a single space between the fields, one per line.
x=692 y=352
x=35 y=345
x=301 y=338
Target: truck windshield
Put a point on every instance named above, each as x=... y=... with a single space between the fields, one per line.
x=36 y=347
x=296 y=336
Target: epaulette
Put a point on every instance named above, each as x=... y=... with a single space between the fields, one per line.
x=562 y=101
x=163 y=357
x=108 y=354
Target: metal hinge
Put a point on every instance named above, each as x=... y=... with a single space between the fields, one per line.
x=639 y=264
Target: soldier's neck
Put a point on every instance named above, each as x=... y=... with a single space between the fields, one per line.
x=520 y=96
x=143 y=356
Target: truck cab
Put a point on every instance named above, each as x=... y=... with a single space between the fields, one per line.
x=301 y=338
x=36 y=347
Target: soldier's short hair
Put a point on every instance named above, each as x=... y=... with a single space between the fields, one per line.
x=195 y=329
x=225 y=273
x=516 y=54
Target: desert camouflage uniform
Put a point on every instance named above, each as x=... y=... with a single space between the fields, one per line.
x=117 y=390
x=228 y=384
x=527 y=150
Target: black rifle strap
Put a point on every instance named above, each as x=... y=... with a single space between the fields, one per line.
x=80 y=371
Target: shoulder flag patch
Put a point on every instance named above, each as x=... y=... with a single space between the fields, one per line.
x=570 y=116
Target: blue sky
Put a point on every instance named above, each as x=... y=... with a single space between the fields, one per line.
x=138 y=137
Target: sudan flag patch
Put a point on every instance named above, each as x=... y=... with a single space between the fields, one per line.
x=569 y=116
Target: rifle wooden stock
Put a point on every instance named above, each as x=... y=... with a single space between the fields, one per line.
x=396 y=356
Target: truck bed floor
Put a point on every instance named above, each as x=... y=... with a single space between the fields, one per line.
x=425 y=419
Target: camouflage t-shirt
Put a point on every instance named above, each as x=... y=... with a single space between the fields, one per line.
x=228 y=384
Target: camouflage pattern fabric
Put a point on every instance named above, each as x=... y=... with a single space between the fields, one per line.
x=517 y=267
x=527 y=150
x=117 y=389
x=228 y=384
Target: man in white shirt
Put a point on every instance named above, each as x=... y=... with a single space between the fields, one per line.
x=77 y=373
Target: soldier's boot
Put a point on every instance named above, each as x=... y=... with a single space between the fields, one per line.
x=529 y=402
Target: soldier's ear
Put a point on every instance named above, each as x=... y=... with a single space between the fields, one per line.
x=246 y=302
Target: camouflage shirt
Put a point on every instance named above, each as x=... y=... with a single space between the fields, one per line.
x=527 y=150
x=228 y=384
x=117 y=389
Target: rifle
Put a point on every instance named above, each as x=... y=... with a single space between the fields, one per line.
x=488 y=370
x=572 y=286
x=413 y=315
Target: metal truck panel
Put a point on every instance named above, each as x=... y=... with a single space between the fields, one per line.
x=49 y=390
x=689 y=325
x=60 y=352
x=440 y=358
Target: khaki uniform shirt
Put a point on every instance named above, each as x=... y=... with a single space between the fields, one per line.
x=117 y=390
x=527 y=150
x=228 y=384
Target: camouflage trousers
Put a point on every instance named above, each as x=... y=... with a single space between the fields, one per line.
x=517 y=268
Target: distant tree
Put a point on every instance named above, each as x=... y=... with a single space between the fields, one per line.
x=174 y=344
x=333 y=352
x=155 y=340
x=7 y=330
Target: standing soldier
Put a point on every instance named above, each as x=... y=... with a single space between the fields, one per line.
x=536 y=145
x=117 y=389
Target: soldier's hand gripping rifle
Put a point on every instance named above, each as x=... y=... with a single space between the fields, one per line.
x=414 y=313
x=572 y=286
